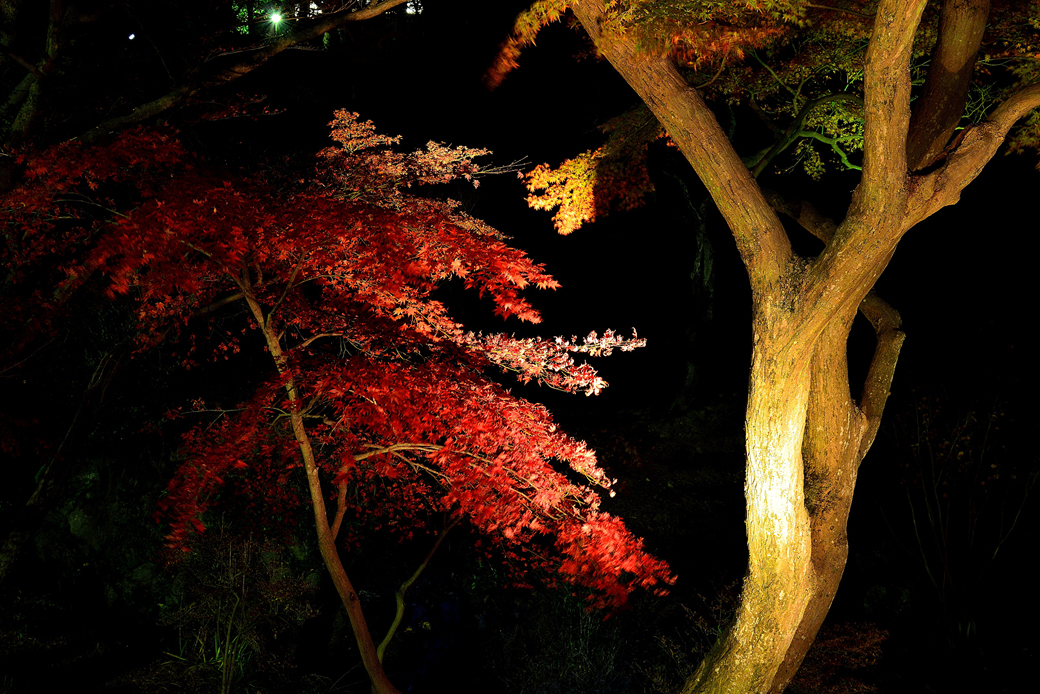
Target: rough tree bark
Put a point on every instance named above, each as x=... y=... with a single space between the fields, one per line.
x=805 y=435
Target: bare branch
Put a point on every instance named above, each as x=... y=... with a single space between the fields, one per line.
x=877 y=386
x=381 y=649
x=27 y=65
x=839 y=9
x=219 y=303
x=1017 y=105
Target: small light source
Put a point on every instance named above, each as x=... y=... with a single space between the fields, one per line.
x=132 y=36
x=275 y=18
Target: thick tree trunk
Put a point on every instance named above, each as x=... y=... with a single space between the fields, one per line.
x=830 y=448
x=802 y=319
x=837 y=437
x=778 y=585
x=799 y=409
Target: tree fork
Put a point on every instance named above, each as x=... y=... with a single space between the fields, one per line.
x=830 y=451
x=838 y=435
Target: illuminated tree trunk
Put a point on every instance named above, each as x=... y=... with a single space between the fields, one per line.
x=778 y=584
x=831 y=461
x=838 y=435
x=805 y=435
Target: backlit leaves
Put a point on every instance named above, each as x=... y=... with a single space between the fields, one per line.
x=704 y=32
x=525 y=28
x=613 y=176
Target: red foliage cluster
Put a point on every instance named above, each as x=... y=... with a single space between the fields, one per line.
x=68 y=195
x=369 y=371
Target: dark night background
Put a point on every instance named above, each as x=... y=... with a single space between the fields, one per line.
x=89 y=602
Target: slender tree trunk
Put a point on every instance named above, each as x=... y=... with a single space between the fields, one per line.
x=326 y=542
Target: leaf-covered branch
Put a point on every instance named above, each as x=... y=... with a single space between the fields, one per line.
x=794 y=132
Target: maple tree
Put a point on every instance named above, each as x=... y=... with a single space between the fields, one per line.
x=382 y=401
x=833 y=83
x=84 y=70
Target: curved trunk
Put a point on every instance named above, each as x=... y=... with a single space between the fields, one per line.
x=838 y=436
x=830 y=448
x=326 y=541
x=802 y=316
x=327 y=546
x=779 y=585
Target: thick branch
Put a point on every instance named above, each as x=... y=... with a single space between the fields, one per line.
x=882 y=316
x=1017 y=105
x=305 y=31
x=760 y=237
x=941 y=105
x=27 y=65
x=841 y=275
x=886 y=86
x=966 y=158
x=878 y=384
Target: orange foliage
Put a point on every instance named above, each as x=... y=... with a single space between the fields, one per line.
x=613 y=176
